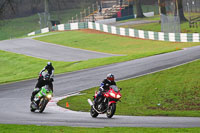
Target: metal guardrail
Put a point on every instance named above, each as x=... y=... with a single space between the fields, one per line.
x=161 y=36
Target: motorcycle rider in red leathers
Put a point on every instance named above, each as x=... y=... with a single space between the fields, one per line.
x=106 y=83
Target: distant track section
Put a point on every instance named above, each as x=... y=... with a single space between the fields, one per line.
x=49 y=51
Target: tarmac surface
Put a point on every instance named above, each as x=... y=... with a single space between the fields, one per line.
x=49 y=51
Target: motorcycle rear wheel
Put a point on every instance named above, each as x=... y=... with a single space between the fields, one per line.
x=93 y=113
x=43 y=104
x=111 y=110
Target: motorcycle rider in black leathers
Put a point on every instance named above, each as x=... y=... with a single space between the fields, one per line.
x=41 y=82
x=106 y=83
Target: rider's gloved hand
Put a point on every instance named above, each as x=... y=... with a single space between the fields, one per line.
x=40 y=76
x=101 y=89
x=51 y=80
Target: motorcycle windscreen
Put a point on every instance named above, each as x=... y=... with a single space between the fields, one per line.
x=114 y=87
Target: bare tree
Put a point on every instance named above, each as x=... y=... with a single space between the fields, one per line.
x=23 y=8
x=162 y=8
x=4 y=4
x=139 y=9
x=179 y=4
x=34 y=6
x=2 y=8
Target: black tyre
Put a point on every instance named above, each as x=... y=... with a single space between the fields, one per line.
x=42 y=104
x=93 y=113
x=111 y=110
x=31 y=108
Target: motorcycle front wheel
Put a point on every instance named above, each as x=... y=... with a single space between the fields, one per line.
x=31 y=108
x=111 y=110
x=93 y=113
x=42 y=104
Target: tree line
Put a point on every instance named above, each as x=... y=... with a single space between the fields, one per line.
x=22 y=8
x=162 y=8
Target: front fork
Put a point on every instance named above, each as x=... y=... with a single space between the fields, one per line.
x=110 y=102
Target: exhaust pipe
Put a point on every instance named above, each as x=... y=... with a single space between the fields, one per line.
x=90 y=102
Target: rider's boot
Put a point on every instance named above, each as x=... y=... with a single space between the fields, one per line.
x=36 y=90
x=96 y=100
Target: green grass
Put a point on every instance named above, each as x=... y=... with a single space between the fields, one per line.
x=19 y=67
x=154 y=18
x=109 y=43
x=18 y=27
x=61 y=129
x=15 y=67
x=13 y=28
x=147 y=27
x=173 y=92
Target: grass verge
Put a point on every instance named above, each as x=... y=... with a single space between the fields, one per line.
x=173 y=92
x=61 y=129
x=115 y=44
x=20 y=67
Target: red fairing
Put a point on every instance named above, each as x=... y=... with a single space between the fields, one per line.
x=111 y=102
x=113 y=93
x=108 y=94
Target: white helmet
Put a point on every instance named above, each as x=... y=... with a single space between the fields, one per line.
x=110 y=77
x=49 y=64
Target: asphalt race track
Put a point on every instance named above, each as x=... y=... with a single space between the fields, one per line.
x=15 y=97
x=49 y=51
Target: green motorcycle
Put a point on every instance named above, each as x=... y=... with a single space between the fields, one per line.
x=41 y=99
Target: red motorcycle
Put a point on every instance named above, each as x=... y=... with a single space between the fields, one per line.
x=107 y=103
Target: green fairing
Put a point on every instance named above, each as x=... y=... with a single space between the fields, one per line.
x=43 y=91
